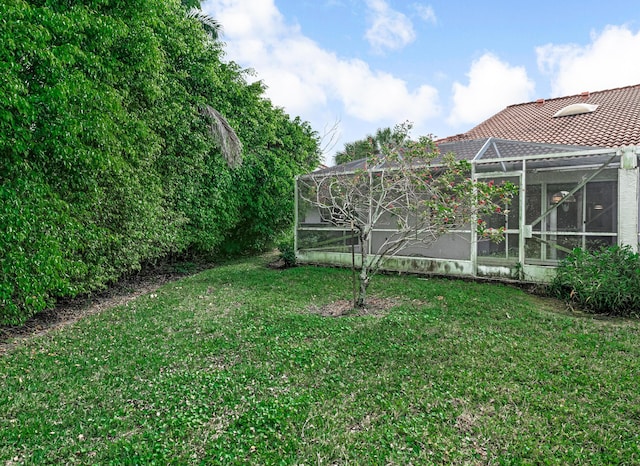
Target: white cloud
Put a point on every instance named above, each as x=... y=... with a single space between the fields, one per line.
x=390 y=29
x=426 y=12
x=375 y=96
x=309 y=81
x=493 y=85
x=609 y=61
x=250 y=18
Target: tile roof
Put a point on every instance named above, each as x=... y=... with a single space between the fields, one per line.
x=615 y=123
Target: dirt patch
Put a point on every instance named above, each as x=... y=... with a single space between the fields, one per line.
x=69 y=311
x=344 y=308
x=278 y=264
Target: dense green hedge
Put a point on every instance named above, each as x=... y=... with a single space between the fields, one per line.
x=106 y=161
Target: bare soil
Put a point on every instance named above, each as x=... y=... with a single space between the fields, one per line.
x=69 y=311
x=344 y=308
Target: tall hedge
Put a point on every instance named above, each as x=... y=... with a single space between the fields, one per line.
x=105 y=158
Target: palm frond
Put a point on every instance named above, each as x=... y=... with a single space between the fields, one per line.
x=225 y=136
x=212 y=26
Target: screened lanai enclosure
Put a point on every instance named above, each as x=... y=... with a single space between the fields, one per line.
x=568 y=197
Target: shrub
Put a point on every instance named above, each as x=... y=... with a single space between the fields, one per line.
x=287 y=250
x=606 y=280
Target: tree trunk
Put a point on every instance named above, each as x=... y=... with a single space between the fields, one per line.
x=362 y=292
x=364 y=272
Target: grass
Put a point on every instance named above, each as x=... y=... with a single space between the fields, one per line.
x=230 y=367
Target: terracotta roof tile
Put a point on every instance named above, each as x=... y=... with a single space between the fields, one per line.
x=616 y=121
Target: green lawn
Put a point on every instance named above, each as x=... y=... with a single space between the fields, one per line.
x=230 y=367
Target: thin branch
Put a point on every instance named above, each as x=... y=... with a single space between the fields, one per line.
x=329 y=137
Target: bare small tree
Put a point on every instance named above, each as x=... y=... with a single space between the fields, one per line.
x=410 y=185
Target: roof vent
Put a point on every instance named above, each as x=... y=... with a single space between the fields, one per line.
x=575 y=109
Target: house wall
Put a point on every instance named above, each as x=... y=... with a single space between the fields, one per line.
x=394 y=264
x=455 y=246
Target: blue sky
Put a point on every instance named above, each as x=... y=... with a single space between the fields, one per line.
x=352 y=66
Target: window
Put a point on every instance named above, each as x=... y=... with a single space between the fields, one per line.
x=586 y=218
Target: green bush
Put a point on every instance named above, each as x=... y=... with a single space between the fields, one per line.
x=606 y=280
x=286 y=246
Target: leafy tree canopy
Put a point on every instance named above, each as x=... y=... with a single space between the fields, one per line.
x=363 y=148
